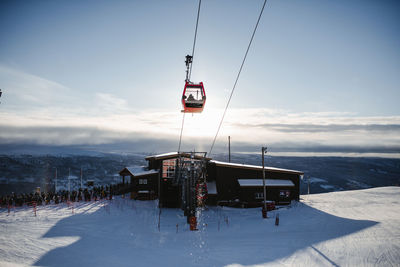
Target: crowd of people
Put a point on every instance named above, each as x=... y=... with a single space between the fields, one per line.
x=94 y=193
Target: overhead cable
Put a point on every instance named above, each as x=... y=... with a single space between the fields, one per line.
x=237 y=77
x=190 y=71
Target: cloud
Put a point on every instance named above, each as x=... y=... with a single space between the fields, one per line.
x=160 y=126
x=22 y=91
x=109 y=103
x=314 y=128
x=38 y=111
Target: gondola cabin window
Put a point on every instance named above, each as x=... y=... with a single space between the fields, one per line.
x=193 y=98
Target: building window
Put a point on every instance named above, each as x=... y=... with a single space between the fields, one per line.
x=142 y=181
x=284 y=194
x=168 y=170
x=259 y=195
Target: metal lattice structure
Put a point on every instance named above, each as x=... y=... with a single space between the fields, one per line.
x=190 y=172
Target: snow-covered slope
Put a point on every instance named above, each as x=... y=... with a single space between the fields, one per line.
x=349 y=228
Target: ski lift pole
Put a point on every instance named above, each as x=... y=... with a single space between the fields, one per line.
x=264 y=211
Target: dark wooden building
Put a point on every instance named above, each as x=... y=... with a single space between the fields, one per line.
x=282 y=185
x=143 y=182
x=166 y=164
x=228 y=183
x=251 y=191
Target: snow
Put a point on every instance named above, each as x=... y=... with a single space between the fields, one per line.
x=172 y=155
x=357 y=184
x=316 y=180
x=139 y=171
x=229 y=164
x=349 y=228
x=327 y=186
x=164 y=155
x=268 y=182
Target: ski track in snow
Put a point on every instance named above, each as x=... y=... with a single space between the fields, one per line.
x=351 y=228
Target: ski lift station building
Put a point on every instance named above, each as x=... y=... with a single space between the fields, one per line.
x=227 y=183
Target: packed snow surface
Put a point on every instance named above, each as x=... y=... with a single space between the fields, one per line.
x=350 y=228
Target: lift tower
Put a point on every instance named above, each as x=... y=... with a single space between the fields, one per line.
x=191 y=175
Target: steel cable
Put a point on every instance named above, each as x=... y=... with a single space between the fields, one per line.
x=190 y=70
x=237 y=78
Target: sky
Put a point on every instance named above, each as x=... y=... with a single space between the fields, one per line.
x=320 y=75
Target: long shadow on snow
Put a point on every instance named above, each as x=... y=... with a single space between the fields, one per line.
x=130 y=237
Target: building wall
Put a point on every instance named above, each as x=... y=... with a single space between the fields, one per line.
x=154 y=164
x=228 y=187
x=170 y=195
x=248 y=195
x=151 y=186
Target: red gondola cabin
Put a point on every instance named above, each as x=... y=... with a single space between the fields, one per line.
x=193 y=98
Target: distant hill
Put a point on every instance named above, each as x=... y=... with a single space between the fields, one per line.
x=23 y=173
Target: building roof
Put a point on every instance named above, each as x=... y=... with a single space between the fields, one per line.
x=254 y=167
x=138 y=171
x=171 y=155
x=268 y=182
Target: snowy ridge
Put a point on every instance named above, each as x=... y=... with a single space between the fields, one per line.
x=350 y=228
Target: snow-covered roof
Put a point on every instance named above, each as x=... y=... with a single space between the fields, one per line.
x=139 y=171
x=254 y=167
x=212 y=188
x=172 y=155
x=268 y=182
x=164 y=155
